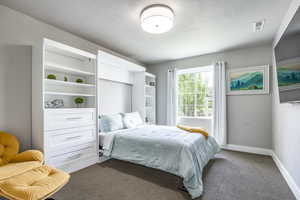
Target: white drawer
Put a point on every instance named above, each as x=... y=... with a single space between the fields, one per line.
x=78 y=164
x=83 y=151
x=65 y=138
x=69 y=118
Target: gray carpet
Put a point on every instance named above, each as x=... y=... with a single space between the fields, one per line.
x=231 y=176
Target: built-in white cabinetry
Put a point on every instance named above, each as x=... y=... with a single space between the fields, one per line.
x=144 y=96
x=64 y=113
x=65 y=101
x=114 y=68
x=150 y=98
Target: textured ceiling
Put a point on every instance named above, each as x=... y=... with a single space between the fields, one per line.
x=201 y=26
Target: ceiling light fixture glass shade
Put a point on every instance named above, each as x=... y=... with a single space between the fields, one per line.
x=157 y=19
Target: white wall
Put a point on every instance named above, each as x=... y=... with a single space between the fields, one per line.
x=15 y=91
x=114 y=97
x=286 y=121
x=249 y=117
x=16 y=30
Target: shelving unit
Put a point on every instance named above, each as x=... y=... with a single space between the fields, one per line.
x=70 y=64
x=144 y=96
x=150 y=98
x=67 y=132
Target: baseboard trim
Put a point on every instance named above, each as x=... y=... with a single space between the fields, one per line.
x=247 y=149
x=261 y=151
x=288 y=178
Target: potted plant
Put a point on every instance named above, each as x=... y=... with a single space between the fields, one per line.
x=79 y=101
x=65 y=79
x=51 y=76
x=79 y=80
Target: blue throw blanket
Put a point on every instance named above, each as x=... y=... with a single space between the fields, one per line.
x=169 y=149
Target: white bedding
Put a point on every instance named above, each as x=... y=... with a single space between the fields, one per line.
x=106 y=139
x=166 y=148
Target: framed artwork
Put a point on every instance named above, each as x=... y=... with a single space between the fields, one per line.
x=248 y=80
x=288 y=75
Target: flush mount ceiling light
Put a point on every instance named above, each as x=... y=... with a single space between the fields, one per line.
x=157 y=19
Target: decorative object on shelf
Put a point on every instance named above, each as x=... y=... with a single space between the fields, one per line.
x=51 y=76
x=79 y=101
x=65 y=79
x=152 y=83
x=79 y=80
x=249 y=80
x=56 y=103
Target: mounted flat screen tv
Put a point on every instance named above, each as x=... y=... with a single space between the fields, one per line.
x=287 y=54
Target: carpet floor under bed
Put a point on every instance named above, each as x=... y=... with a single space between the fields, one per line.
x=231 y=176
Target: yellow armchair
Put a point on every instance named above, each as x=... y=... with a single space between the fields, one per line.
x=9 y=147
x=23 y=175
x=29 y=155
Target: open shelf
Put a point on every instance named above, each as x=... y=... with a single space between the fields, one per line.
x=69 y=109
x=150 y=86
x=69 y=94
x=66 y=83
x=149 y=75
x=62 y=68
x=150 y=97
x=67 y=50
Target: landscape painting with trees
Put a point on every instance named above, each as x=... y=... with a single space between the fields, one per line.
x=288 y=75
x=246 y=80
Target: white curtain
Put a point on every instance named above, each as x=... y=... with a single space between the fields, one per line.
x=171 y=97
x=219 y=120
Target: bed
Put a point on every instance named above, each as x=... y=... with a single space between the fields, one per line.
x=165 y=148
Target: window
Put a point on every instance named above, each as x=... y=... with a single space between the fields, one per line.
x=194 y=92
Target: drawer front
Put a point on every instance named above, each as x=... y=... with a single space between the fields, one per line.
x=55 y=120
x=61 y=139
x=82 y=152
x=78 y=164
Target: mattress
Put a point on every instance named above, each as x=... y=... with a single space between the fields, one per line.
x=165 y=148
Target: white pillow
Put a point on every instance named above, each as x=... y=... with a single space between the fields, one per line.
x=132 y=120
x=111 y=122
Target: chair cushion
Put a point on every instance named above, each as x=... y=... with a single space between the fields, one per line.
x=13 y=169
x=9 y=147
x=34 y=184
x=29 y=155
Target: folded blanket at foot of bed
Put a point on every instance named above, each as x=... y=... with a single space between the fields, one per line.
x=194 y=130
